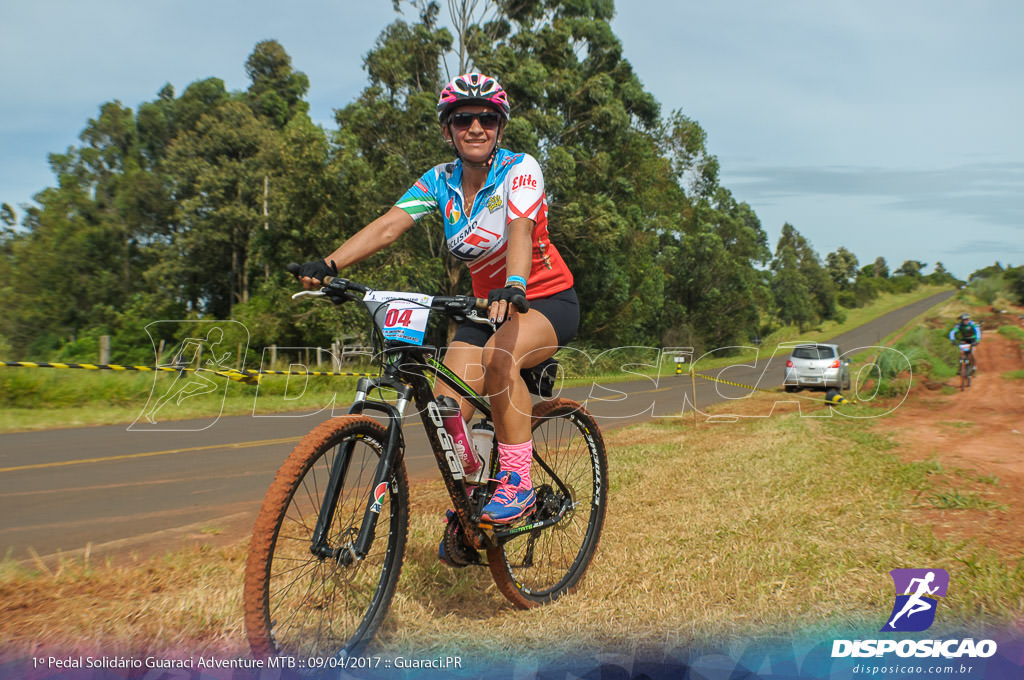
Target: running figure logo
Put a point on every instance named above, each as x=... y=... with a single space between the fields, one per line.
x=917 y=596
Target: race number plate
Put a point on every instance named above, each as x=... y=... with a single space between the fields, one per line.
x=401 y=316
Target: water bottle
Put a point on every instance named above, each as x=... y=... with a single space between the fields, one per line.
x=455 y=426
x=483 y=444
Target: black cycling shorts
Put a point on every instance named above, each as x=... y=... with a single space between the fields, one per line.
x=561 y=309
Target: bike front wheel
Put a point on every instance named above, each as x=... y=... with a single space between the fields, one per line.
x=301 y=600
x=569 y=470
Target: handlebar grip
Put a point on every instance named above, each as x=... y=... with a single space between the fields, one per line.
x=520 y=302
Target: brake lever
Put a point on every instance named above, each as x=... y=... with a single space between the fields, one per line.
x=475 y=318
x=311 y=293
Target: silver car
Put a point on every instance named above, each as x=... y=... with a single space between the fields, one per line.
x=817 y=365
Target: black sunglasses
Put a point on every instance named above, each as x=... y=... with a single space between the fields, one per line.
x=463 y=121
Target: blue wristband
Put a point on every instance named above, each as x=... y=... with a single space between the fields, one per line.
x=516 y=279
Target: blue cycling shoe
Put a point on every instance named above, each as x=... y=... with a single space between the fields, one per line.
x=509 y=502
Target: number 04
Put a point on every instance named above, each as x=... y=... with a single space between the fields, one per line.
x=398 y=317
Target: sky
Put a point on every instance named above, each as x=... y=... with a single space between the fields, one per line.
x=892 y=129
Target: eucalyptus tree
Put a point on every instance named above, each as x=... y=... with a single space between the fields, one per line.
x=842 y=267
x=819 y=285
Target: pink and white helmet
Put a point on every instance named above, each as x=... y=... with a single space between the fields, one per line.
x=472 y=88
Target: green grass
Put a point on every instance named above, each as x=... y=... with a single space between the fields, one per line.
x=961 y=500
x=1012 y=332
x=29 y=396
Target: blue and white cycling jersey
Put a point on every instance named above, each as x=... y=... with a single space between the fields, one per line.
x=971 y=332
x=514 y=189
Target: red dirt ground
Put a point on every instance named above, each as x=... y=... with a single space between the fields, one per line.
x=979 y=432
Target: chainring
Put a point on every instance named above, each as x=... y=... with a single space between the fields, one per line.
x=456 y=551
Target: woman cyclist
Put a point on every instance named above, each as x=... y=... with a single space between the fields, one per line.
x=495 y=219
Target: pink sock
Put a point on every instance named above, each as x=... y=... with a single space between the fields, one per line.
x=517 y=458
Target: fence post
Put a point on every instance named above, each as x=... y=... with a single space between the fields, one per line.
x=104 y=349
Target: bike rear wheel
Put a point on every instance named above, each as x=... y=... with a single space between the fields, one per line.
x=539 y=566
x=302 y=604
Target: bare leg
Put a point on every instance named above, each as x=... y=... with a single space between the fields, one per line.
x=466 y=361
x=521 y=342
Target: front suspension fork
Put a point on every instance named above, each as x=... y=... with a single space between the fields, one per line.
x=393 y=446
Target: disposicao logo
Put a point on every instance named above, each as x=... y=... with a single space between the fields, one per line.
x=913 y=610
x=917 y=597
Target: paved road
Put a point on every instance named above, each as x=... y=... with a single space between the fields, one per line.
x=117 y=488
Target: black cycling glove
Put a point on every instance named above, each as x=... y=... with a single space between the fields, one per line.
x=317 y=269
x=512 y=295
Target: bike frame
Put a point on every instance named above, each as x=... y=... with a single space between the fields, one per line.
x=407 y=370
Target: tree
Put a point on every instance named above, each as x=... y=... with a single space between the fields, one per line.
x=194 y=204
x=940 y=276
x=375 y=169
x=219 y=169
x=94 y=223
x=718 y=291
x=792 y=296
x=613 y=167
x=911 y=268
x=879 y=269
x=841 y=266
x=277 y=91
x=813 y=277
x=1014 y=278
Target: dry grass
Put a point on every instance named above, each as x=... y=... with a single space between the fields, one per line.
x=714 y=532
x=185 y=601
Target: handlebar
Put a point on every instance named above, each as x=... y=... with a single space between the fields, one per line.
x=339 y=290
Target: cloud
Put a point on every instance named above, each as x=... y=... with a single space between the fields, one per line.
x=983 y=192
x=1001 y=249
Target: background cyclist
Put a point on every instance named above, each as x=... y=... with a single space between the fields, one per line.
x=967 y=331
x=494 y=211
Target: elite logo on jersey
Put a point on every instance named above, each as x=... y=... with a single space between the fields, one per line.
x=524 y=181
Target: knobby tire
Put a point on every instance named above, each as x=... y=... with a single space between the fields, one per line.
x=540 y=566
x=299 y=604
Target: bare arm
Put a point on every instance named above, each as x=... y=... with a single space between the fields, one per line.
x=518 y=259
x=519 y=256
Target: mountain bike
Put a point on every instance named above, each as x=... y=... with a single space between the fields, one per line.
x=966 y=364
x=328 y=543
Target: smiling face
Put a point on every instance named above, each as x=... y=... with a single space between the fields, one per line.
x=475 y=130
